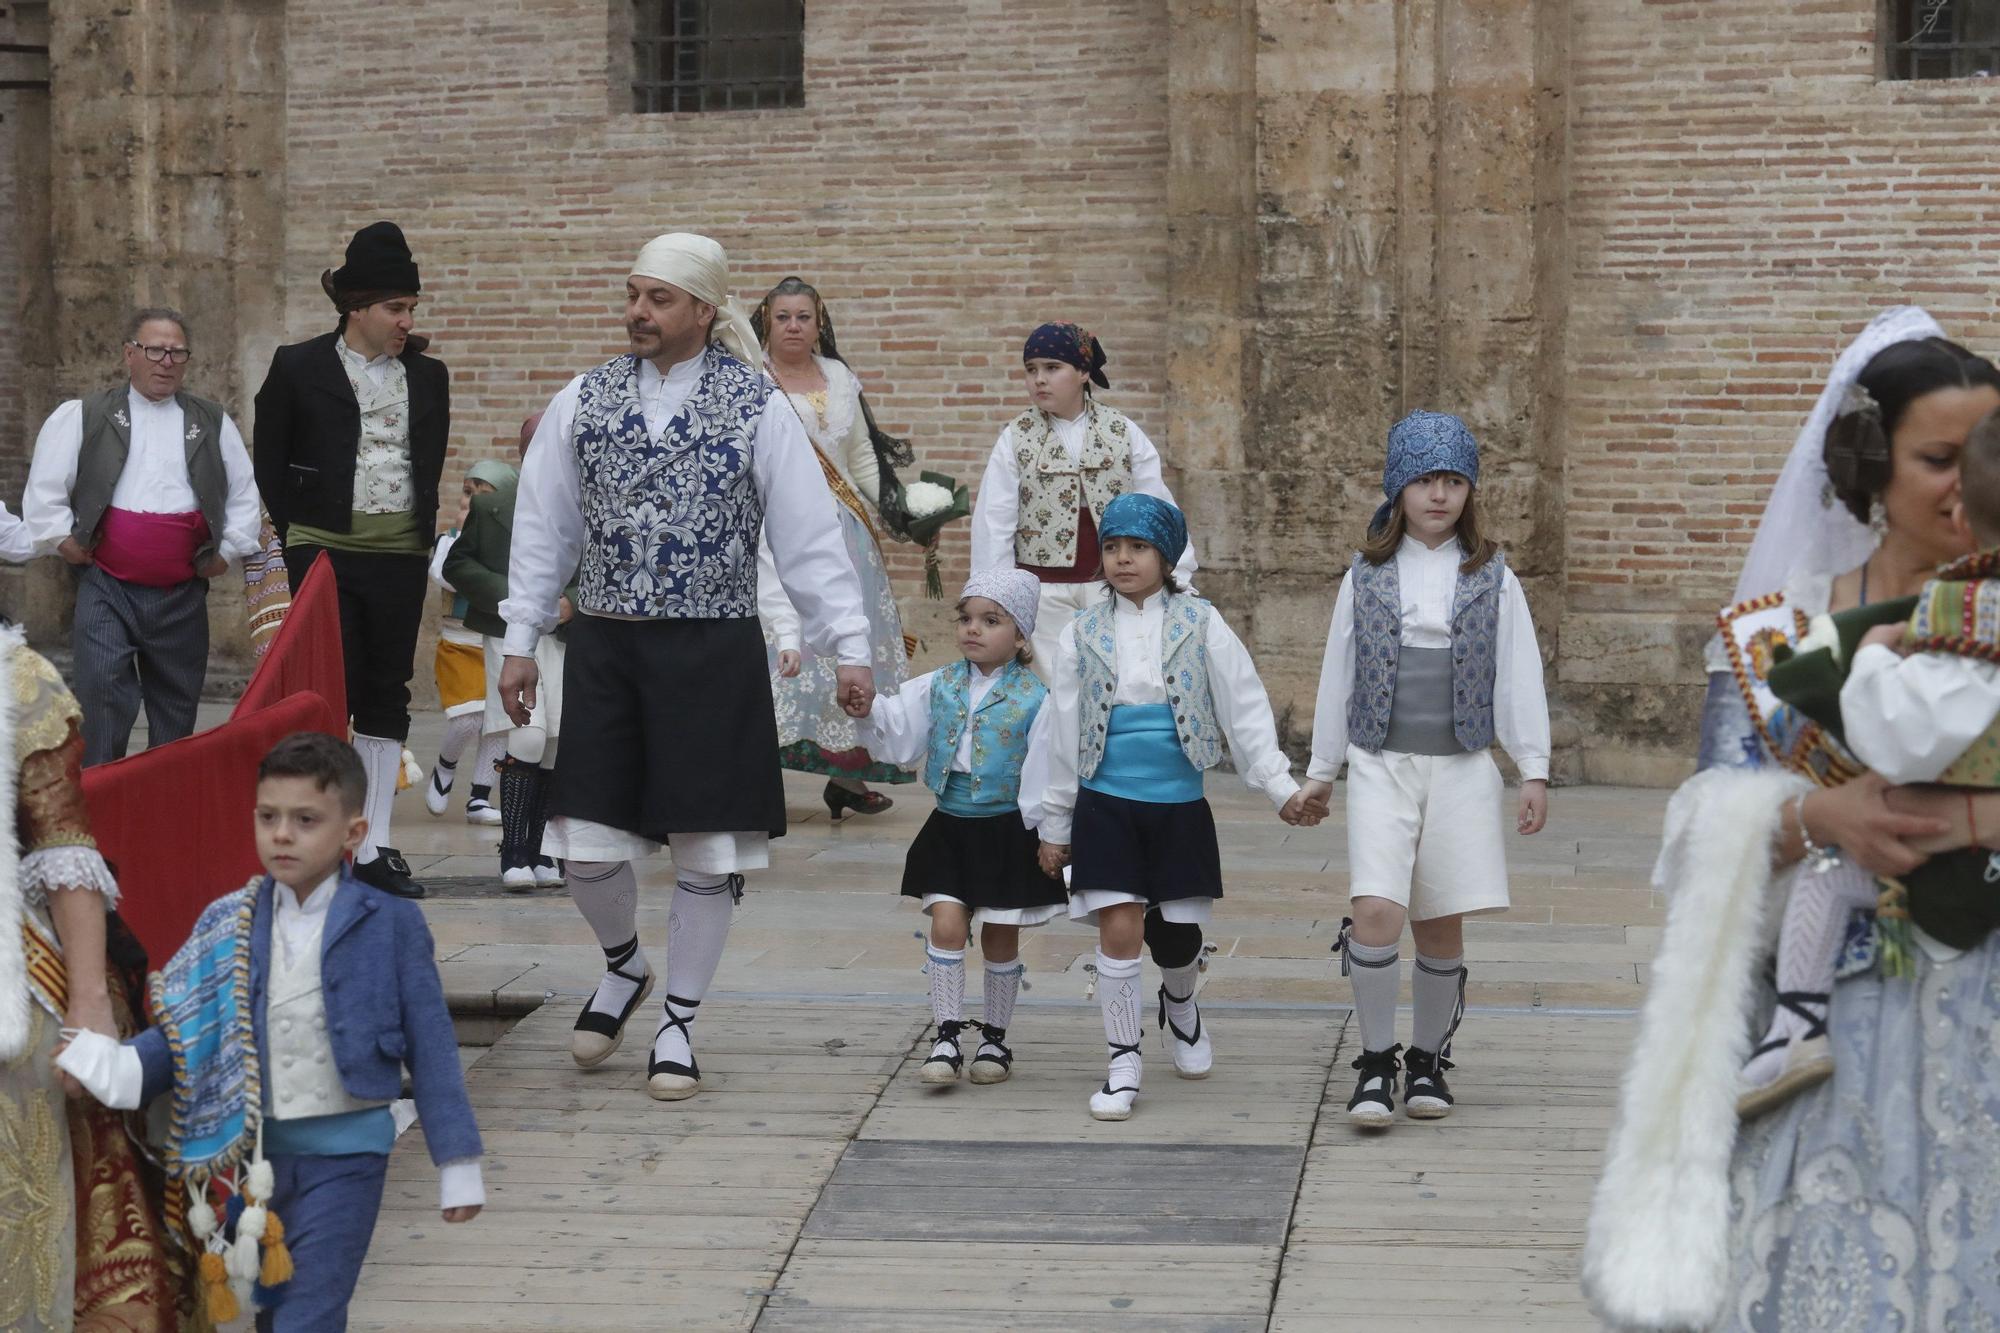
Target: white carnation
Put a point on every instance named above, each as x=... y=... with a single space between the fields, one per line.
x=924 y=498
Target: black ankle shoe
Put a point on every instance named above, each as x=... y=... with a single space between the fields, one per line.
x=1425 y=1093
x=1373 y=1105
x=390 y=873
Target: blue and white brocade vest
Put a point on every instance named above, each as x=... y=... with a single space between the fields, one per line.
x=671 y=525
x=1000 y=729
x=1183 y=666
x=1378 y=638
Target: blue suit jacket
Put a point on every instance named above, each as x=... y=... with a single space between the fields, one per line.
x=384 y=1009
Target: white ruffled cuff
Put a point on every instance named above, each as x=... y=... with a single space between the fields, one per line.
x=109 y=1070
x=69 y=867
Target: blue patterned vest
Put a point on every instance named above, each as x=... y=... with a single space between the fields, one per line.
x=999 y=730
x=1378 y=637
x=671 y=525
x=1184 y=664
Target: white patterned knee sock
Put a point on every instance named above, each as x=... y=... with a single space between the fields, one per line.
x=1123 y=1007
x=607 y=893
x=697 y=929
x=1002 y=987
x=947 y=973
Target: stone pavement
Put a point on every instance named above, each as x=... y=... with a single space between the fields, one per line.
x=815 y=1184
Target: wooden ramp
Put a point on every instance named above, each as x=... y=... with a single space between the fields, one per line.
x=816 y=1185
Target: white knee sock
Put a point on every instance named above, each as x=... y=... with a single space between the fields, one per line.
x=1002 y=988
x=380 y=758
x=1377 y=973
x=1180 y=983
x=1124 y=1011
x=458 y=733
x=1808 y=948
x=486 y=764
x=527 y=744
x=947 y=973
x=1434 y=991
x=697 y=928
x=607 y=893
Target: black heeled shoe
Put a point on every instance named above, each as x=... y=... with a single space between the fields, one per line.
x=839 y=799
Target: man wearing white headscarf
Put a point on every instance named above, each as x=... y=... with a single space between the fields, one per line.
x=652 y=477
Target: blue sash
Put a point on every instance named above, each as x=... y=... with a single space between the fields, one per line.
x=957 y=799
x=1143 y=758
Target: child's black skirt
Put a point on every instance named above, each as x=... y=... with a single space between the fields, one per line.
x=1159 y=851
x=983 y=861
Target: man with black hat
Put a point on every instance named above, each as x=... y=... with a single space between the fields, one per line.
x=146 y=491
x=350 y=441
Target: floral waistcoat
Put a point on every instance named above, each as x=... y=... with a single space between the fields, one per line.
x=672 y=524
x=384 y=481
x=1053 y=486
x=1959 y=612
x=1183 y=664
x=1378 y=637
x=999 y=729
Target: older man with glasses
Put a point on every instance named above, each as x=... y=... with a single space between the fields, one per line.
x=148 y=492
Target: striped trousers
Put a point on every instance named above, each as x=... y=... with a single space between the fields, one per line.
x=132 y=645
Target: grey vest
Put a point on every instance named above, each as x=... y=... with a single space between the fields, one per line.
x=1378 y=638
x=107 y=442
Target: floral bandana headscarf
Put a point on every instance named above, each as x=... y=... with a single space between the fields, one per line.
x=1420 y=444
x=1072 y=345
x=1152 y=521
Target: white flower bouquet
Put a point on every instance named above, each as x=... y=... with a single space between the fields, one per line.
x=931 y=502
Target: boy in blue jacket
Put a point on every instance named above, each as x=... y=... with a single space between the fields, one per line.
x=282 y=1028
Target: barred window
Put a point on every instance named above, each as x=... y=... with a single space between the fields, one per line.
x=1941 y=39
x=717 y=55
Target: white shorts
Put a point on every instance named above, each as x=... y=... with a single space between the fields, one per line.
x=1058 y=604
x=547 y=712
x=574 y=839
x=1424 y=832
x=1000 y=916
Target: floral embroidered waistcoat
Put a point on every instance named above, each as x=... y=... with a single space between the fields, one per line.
x=1053 y=487
x=1183 y=665
x=1959 y=612
x=671 y=524
x=999 y=729
x=384 y=479
x=1378 y=637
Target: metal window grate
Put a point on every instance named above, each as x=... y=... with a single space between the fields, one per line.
x=1943 y=39
x=717 y=55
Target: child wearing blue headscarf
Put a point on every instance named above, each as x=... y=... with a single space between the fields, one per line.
x=1149 y=683
x=1052 y=471
x=1431 y=657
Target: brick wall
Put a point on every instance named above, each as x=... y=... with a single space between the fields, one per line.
x=1744 y=194
x=942 y=199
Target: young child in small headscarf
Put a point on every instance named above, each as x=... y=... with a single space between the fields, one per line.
x=1052 y=471
x=460 y=669
x=975 y=725
x=1149 y=683
x=1431 y=656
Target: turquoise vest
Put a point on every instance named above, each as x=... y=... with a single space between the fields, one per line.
x=1378 y=640
x=1184 y=665
x=999 y=738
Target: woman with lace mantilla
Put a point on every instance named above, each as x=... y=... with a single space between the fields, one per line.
x=814 y=734
x=1863 y=1201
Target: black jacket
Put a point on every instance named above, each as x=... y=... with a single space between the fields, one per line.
x=309 y=426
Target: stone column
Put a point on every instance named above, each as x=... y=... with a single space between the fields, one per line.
x=167 y=132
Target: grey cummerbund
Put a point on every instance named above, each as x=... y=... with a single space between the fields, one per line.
x=1420 y=717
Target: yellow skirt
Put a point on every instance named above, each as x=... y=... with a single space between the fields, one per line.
x=461 y=677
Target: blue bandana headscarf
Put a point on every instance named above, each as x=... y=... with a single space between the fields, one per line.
x=1154 y=522
x=1420 y=444
x=1072 y=345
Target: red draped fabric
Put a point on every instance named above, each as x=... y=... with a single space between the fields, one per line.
x=175 y=822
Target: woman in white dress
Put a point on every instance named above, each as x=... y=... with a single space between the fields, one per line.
x=814 y=734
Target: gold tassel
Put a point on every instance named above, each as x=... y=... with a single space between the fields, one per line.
x=277 y=1259
x=222 y=1306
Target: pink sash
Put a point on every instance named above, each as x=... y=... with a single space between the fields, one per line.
x=152 y=550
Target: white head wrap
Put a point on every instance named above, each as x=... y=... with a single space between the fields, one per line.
x=1804 y=531
x=1018 y=593
x=700 y=267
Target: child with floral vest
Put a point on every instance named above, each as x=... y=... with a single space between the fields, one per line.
x=974 y=725
x=1053 y=470
x=1149 y=683
x=1431 y=656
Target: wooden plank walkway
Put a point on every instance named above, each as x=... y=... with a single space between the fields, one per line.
x=817 y=1185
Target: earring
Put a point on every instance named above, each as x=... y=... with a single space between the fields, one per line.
x=1878 y=518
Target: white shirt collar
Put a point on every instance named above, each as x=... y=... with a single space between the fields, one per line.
x=1128 y=607
x=980 y=673
x=141 y=403
x=350 y=353
x=314 y=903
x=651 y=380
x=1077 y=420
x=1411 y=546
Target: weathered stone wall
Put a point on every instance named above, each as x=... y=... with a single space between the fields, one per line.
x=1744 y=194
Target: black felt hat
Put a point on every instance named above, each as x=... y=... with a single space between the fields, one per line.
x=378 y=260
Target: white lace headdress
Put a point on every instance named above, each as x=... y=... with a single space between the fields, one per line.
x=1804 y=531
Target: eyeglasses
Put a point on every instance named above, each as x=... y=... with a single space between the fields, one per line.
x=177 y=355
